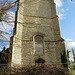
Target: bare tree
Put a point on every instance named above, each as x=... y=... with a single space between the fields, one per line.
x=6 y=19
x=5 y=6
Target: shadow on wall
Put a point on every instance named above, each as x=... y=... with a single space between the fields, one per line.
x=64 y=59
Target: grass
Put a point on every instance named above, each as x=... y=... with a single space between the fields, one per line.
x=73 y=69
x=73 y=72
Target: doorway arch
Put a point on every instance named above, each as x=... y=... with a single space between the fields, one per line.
x=39 y=61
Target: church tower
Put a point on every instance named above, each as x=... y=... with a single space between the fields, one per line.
x=37 y=37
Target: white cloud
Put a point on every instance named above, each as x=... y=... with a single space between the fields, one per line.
x=71 y=56
x=7 y=46
x=6 y=27
x=69 y=40
x=6 y=36
x=62 y=10
x=58 y=3
x=61 y=15
x=9 y=21
x=71 y=45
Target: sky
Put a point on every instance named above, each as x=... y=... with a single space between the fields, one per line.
x=66 y=13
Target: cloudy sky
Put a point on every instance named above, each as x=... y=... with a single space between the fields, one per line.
x=66 y=13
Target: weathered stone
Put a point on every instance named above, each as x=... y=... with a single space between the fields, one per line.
x=37 y=34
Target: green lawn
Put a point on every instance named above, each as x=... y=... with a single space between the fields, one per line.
x=73 y=72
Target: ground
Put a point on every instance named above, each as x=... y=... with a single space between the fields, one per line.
x=36 y=70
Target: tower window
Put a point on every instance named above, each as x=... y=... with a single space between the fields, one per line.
x=38 y=44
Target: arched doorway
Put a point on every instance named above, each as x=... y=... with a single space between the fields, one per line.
x=39 y=61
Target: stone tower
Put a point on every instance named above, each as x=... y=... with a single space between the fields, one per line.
x=37 y=37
